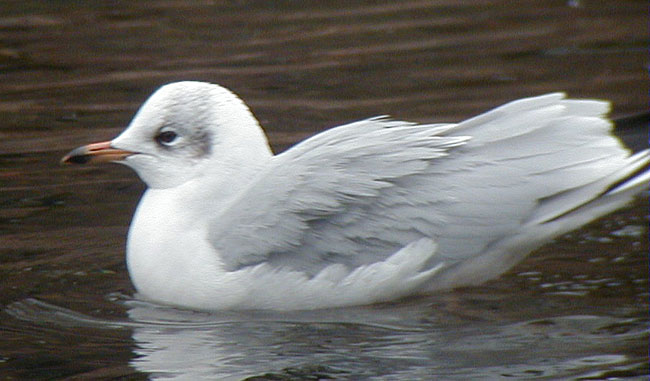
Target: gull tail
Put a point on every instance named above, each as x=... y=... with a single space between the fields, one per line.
x=556 y=215
x=570 y=209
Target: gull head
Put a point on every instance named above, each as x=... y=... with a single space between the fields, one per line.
x=185 y=130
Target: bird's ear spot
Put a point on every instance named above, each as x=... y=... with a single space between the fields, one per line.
x=203 y=138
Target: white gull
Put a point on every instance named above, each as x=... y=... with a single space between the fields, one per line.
x=366 y=212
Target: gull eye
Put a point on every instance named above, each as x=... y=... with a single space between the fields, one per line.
x=166 y=137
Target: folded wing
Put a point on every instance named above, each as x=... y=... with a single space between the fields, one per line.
x=358 y=193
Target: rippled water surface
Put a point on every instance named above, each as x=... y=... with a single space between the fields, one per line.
x=75 y=72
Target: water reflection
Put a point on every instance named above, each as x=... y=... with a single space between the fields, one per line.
x=411 y=339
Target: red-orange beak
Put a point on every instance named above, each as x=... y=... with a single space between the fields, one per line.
x=97 y=153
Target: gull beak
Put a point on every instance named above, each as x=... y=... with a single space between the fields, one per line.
x=97 y=153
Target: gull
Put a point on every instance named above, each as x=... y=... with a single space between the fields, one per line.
x=367 y=212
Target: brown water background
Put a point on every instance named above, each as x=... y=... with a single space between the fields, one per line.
x=73 y=72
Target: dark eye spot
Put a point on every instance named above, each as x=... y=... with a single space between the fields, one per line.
x=166 y=137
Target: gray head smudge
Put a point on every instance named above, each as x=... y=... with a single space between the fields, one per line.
x=202 y=141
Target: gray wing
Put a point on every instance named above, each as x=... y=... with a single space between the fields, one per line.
x=356 y=194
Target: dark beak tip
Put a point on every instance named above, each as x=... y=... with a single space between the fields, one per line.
x=78 y=155
x=75 y=159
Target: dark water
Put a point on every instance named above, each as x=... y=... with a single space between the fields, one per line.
x=75 y=72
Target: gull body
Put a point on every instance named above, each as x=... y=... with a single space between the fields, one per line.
x=366 y=212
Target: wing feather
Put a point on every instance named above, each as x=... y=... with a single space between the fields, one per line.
x=358 y=193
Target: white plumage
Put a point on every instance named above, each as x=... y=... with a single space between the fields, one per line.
x=366 y=212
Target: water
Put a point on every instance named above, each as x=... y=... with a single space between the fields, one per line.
x=74 y=73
